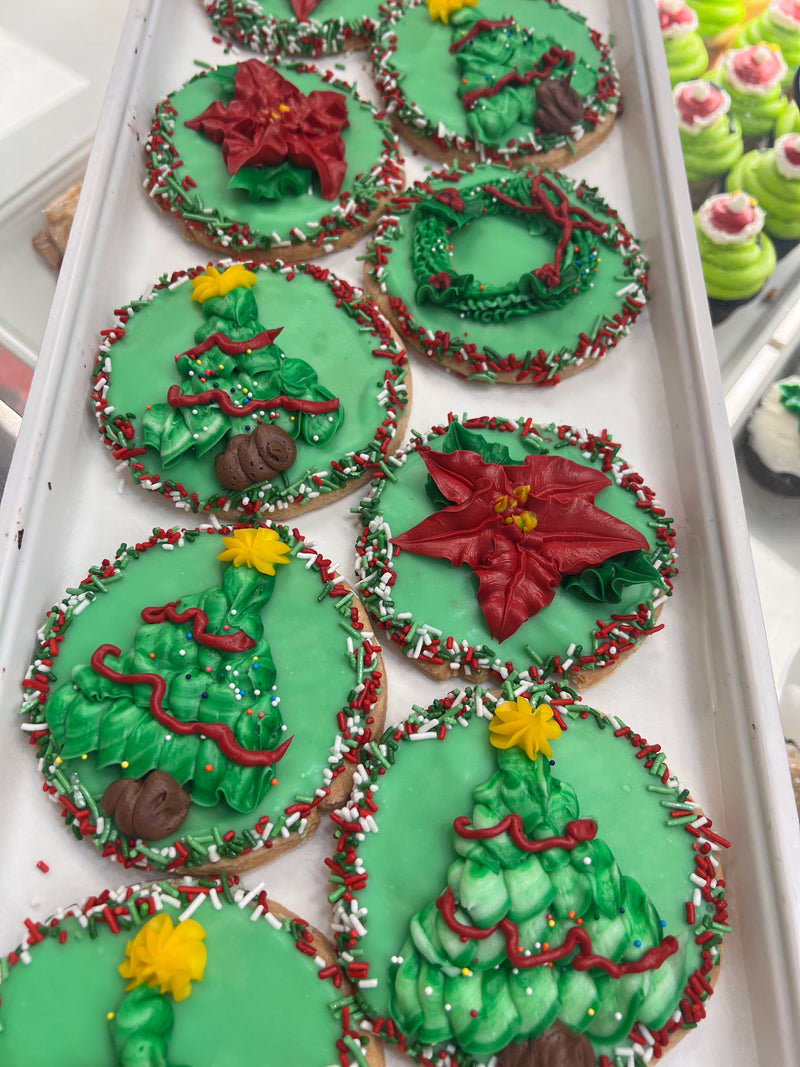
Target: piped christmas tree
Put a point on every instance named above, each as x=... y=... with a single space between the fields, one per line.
x=239 y=387
x=538 y=927
x=195 y=696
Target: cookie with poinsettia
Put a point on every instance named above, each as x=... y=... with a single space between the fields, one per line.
x=293 y=28
x=499 y=544
x=498 y=849
x=503 y=276
x=169 y=705
x=177 y=973
x=513 y=81
x=269 y=163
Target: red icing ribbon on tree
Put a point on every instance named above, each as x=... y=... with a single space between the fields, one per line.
x=197 y=618
x=177 y=399
x=576 y=937
x=218 y=732
x=576 y=831
x=547 y=64
x=229 y=346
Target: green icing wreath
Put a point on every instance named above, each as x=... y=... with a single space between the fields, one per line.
x=543 y=200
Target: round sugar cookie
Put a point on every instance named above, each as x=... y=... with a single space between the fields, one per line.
x=522 y=82
x=296 y=27
x=275 y=162
x=499 y=852
x=180 y=974
x=181 y=375
x=173 y=706
x=499 y=544
x=507 y=277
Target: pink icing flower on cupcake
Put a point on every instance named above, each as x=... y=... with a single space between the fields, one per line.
x=787 y=155
x=730 y=218
x=755 y=69
x=676 y=18
x=699 y=104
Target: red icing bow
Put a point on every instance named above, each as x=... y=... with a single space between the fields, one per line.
x=519 y=527
x=270 y=120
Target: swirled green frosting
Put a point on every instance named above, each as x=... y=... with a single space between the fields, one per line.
x=758 y=175
x=735 y=271
x=716 y=16
x=712 y=151
x=687 y=57
x=264 y=372
x=789 y=121
x=757 y=112
x=764 y=28
x=141 y=1029
x=95 y=714
x=447 y=988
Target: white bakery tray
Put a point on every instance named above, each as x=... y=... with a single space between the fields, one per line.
x=702 y=687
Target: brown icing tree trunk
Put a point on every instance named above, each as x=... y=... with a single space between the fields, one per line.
x=560 y=1046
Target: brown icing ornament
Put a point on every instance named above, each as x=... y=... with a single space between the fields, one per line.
x=559 y=1046
x=558 y=106
x=251 y=458
x=151 y=807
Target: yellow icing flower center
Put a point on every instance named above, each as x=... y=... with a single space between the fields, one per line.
x=165 y=957
x=443 y=9
x=513 y=511
x=212 y=283
x=517 y=725
x=259 y=548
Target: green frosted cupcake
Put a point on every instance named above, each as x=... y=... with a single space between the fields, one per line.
x=789 y=122
x=779 y=25
x=753 y=76
x=737 y=258
x=711 y=139
x=773 y=178
x=718 y=19
x=686 y=54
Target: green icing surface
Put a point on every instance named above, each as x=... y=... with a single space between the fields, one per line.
x=260 y=1000
x=713 y=150
x=735 y=271
x=315 y=329
x=716 y=16
x=498 y=250
x=757 y=174
x=436 y=593
x=429 y=75
x=686 y=57
x=329 y=28
x=300 y=629
x=764 y=28
x=203 y=162
x=611 y=787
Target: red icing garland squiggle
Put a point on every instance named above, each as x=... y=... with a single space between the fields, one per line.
x=549 y=62
x=229 y=346
x=177 y=399
x=576 y=830
x=577 y=937
x=198 y=620
x=218 y=732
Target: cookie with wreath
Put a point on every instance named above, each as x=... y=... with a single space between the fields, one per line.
x=505 y=276
x=522 y=82
x=266 y=162
x=170 y=702
x=509 y=908
x=498 y=544
x=178 y=973
x=257 y=389
x=291 y=28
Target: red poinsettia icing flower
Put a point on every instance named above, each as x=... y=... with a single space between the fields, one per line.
x=270 y=120
x=519 y=527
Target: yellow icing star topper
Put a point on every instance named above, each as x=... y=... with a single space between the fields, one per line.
x=517 y=724
x=166 y=957
x=212 y=283
x=443 y=9
x=258 y=548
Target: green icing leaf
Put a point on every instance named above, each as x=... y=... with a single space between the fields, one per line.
x=235 y=314
x=790 y=398
x=609 y=580
x=319 y=429
x=272 y=183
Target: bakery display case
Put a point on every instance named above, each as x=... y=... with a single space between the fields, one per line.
x=702 y=686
